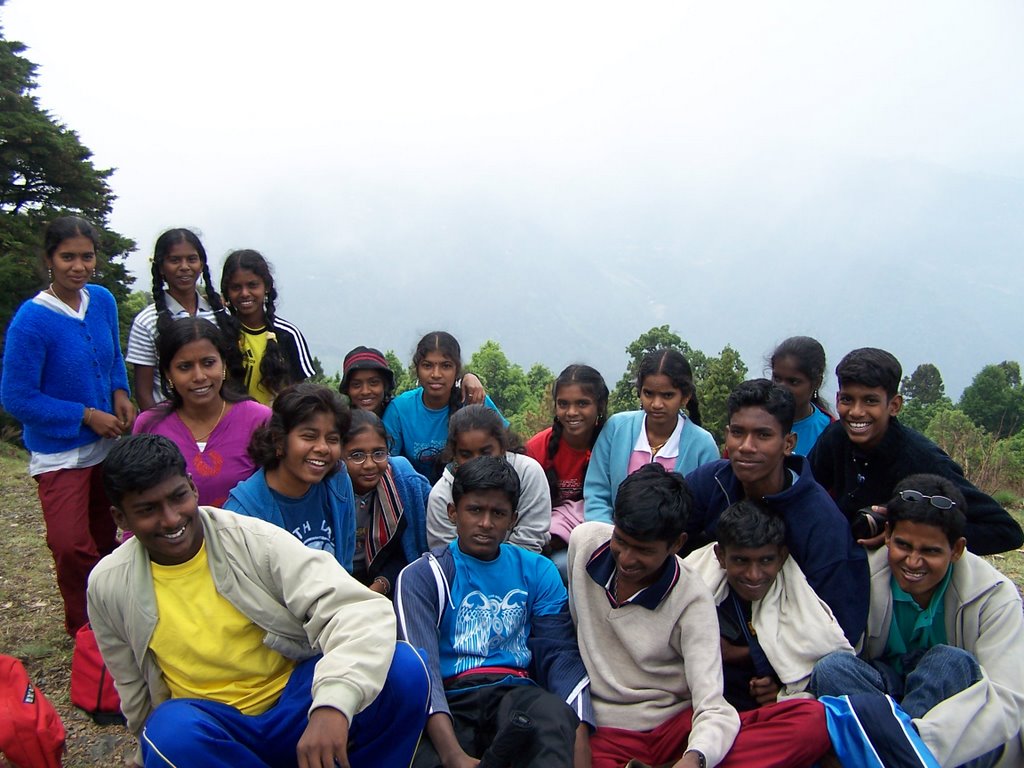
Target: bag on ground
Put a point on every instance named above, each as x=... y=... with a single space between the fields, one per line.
x=92 y=687
x=31 y=733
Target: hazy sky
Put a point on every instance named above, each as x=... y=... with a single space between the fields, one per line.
x=325 y=134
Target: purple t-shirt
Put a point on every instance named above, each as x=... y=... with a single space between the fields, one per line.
x=225 y=461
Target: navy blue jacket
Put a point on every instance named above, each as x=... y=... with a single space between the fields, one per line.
x=817 y=535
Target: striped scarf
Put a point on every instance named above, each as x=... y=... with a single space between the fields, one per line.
x=385 y=519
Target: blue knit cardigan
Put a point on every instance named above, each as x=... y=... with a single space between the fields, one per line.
x=56 y=366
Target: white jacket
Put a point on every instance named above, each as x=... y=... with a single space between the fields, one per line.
x=794 y=626
x=983 y=617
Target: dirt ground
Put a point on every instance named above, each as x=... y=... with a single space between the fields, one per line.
x=32 y=619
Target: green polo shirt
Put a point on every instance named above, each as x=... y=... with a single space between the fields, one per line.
x=914 y=628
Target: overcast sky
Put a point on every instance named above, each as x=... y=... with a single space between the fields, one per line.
x=315 y=131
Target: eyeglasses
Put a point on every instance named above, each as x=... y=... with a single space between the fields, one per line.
x=939 y=502
x=360 y=457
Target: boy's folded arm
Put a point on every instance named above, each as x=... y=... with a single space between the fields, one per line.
x=129 y=678
x=418 y=610
x=990 y=529
x=557 y=665
x=715 y=722
x=988 y=713
x=353 y=627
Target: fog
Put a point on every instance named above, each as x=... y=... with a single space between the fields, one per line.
x=562 y=177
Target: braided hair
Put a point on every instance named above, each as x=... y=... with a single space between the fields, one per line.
x=672 y=364
x=161 y=250
x=275 y=373
x=592 y=383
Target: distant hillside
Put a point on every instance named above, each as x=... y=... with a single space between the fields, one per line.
x=922 y=260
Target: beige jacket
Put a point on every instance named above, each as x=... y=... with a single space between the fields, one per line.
x=305 y=601
x=794 y=626
x=984 y=617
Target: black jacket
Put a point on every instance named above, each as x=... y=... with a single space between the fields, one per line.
x=858 y=479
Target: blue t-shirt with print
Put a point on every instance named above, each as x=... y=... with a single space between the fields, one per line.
x=492 y=603
x=306 y=516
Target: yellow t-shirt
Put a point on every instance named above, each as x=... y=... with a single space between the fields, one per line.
x=253 y=345
x=207 y=648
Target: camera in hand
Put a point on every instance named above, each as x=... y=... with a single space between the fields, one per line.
x=867 y=524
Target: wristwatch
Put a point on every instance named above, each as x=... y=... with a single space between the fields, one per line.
x=701 y=760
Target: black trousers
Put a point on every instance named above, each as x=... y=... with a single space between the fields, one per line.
x=477 y=714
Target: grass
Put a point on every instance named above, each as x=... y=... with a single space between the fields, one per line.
x=1012 y=563
x=32 y=616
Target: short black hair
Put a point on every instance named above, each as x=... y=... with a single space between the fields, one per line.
x=653 y=504
x=138 y=463
x=762 y=393
x=871 y=367
x=292 y=406
x=486 y=473
x=749 y=525
x=952 y=521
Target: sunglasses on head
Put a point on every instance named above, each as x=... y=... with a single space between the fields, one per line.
x=939 y=502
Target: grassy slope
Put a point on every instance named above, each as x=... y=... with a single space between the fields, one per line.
x=31 y=616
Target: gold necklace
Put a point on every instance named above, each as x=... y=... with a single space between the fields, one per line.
x=658 y=447
x=204 y=438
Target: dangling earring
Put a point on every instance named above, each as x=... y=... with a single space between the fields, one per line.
x=170 y=385
x=224 y=375
x=49 y=274
x=815 y=395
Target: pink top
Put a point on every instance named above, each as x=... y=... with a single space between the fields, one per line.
x=225 y=461
x=638 y=458
x=668 y=456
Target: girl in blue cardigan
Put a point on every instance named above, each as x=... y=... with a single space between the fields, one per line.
x=660 y=432
x=64 y=379
x=390 y=503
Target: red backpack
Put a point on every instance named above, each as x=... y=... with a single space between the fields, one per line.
x=92 y=687
x=31 y=733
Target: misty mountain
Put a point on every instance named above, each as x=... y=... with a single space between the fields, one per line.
x=919 y=259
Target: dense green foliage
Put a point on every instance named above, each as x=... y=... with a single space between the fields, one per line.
x=924 y=384
x=714 y=377
x=983 y=431
x=45 y=172
x=995 y=399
